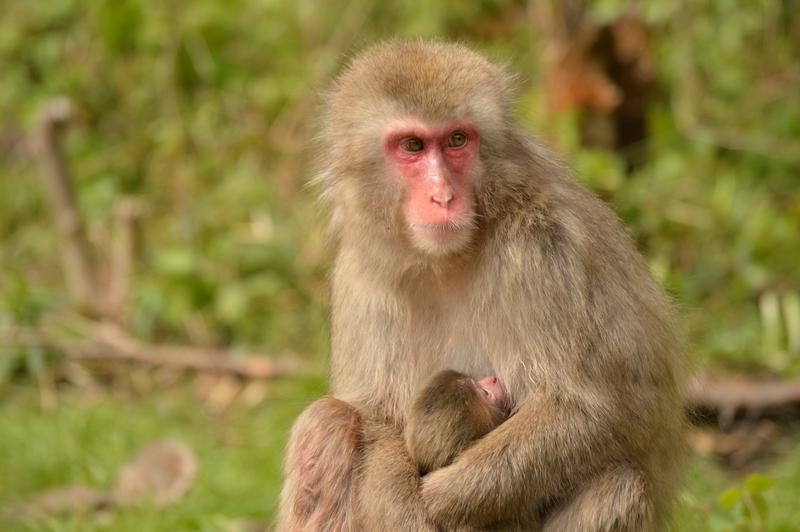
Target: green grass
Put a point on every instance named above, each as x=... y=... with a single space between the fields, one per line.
x=87 y=436
x=239 y=454
x=706 y=480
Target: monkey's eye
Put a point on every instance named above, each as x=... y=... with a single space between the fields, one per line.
x=457 y=139
x=412 y=145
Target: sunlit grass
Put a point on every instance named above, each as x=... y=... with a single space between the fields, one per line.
x=86 y=440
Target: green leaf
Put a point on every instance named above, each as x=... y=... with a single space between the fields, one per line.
x=761 y=506
x=730 y=497
x=119 y=22
x=231 y=302
x=35 y=360
x=176 y=261
x=758 y=482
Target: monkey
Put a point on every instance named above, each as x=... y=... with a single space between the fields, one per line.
x=450 y=412
x=465 y=243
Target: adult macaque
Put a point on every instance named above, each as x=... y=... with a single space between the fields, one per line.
x=465 y=244
x=449 y=414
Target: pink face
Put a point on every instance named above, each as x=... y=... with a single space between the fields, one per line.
x=437 y=163
x=493 y=391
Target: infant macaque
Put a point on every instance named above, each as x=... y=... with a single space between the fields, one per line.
x=450 y=412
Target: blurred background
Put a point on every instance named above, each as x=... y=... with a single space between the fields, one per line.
x=163 y=295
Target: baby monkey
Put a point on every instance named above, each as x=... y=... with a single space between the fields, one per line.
x=450 y=412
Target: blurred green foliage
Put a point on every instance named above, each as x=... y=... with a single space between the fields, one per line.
x=239 y=455
x=743 y=507
x=203 y=108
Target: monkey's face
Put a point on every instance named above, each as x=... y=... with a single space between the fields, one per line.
x=436 y=165
x=410 y=137
x=492 y=391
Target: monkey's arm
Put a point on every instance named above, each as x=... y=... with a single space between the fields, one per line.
x=550 y=443
x=389 y=496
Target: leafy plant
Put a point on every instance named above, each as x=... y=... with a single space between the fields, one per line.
x=743 y=507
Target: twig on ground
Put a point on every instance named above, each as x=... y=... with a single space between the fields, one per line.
x=111 y=343
x=127 y=214
x=730 y=397
x=78 y=264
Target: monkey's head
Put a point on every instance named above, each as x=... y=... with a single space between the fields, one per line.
x=451 y=411
x=404 y=134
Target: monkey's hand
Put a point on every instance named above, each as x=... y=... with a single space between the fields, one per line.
x=507 y=476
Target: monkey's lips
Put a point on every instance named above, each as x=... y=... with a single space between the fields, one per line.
x=440 y=230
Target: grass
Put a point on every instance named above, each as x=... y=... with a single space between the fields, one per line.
x=87 y=436
x=239 y=454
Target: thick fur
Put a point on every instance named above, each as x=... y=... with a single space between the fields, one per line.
x=386 y=462
x=324 y=448
x=589 y=508
x=448 y=415
x=550 y=296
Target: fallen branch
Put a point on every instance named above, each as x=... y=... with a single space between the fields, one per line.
x=78 y=264
x=160 y=475
x=729 y=398
x=127 y=213
x=111 y=343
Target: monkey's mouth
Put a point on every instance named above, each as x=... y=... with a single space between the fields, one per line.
x=441 y=238
x=445 y=229
x=437 y=228
x=445 y=234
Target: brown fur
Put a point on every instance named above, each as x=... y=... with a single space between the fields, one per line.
x=448 y=415
x=589 y=509
x=320 y=475
x=386 y=462
x=550 y=296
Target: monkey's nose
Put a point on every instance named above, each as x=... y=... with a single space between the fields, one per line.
x=442 y=199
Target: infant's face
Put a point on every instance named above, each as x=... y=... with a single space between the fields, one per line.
x=493 y=392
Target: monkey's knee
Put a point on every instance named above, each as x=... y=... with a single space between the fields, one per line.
x=323 y=450
x=618 y=500
x=326 y=423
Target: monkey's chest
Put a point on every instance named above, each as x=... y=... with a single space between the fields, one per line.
x=473 y=342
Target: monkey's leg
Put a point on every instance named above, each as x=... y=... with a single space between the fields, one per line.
x=319 y=491
x=616 y=501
